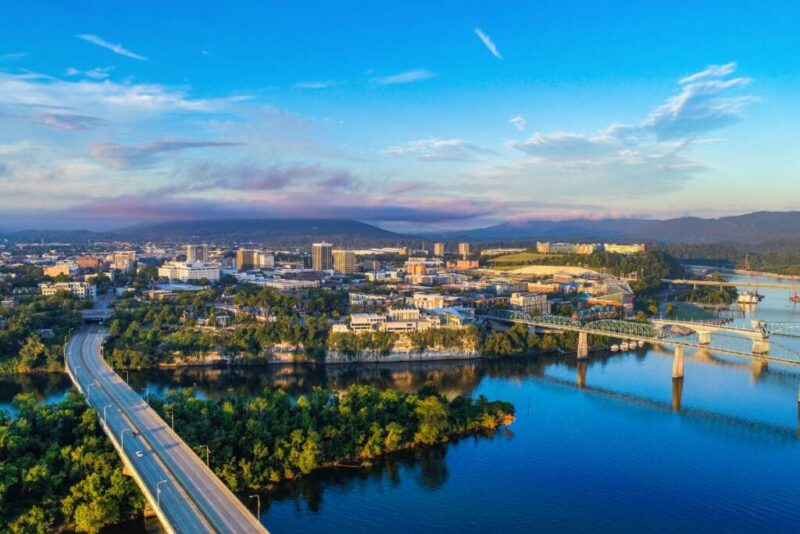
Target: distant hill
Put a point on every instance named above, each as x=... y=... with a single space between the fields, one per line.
x=274 y=231
x=279 y=231
x=750 y=228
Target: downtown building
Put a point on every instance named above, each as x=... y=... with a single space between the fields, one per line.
x=322 y=256
x=196 y=253
x=82 y=290
x=185 y=271
x=344 y=261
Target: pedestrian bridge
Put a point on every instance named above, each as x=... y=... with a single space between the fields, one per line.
x=659 y=331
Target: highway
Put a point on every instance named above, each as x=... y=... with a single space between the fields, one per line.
x=186 y=495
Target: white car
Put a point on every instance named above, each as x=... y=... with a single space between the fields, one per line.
x=139 y=454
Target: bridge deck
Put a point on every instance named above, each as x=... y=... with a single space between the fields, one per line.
x=192 y=499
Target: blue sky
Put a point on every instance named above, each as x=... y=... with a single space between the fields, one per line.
x=412 y=115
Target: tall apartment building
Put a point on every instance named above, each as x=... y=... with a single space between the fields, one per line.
x=438 y=249
x=463 y=250
x=322 y=256
x=196 y=253
x=344 y=261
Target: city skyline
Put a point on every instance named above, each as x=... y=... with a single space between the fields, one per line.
x=118 y=115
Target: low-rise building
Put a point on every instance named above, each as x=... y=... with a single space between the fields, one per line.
x=185 y=271
x=61 y=268
x=81 y=290
x=530 y=303
x=428 y=301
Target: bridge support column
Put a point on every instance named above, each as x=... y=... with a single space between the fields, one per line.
x=704 y=338
x=677 y=393
x=760 y=346
x=677 y=363
x=583 y=345
x=582 y=365
x=759 y=367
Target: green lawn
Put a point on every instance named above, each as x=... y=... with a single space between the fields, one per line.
x=520 y=258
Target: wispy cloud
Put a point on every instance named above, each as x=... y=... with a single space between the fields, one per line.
x=116 y=48
x=439 y=150
x=406 y=77
x=98 y=73
x=247 y=176
x=518 y=122
x=652 y=156
x=12 y=56
x=313 y=85
x=67 y=122
x=123 y=157
x=487 y=41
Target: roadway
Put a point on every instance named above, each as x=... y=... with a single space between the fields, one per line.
x=186 y=495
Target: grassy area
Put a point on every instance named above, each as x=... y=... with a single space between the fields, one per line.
x=690 y=312
x=520 y=258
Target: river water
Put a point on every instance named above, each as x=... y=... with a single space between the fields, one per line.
x=629 y=450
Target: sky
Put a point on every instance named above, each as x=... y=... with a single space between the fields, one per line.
x=409 y=115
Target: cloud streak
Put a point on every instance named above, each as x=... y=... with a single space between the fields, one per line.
x=116 y=48
x=439 y=150
x=487 y=41
x=124 y=157
x=518 y=122
x=409 y=76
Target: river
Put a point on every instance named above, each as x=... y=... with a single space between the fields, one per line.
x=614 y=455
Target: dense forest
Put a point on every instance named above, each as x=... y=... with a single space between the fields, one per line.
x=144 y=335
x=32 y=332
x=781 y=257
x=650 y=266
x=57 y=468
x=258 y=441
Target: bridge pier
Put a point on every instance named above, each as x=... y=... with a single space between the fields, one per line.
x=759 y=368
x=677 y=363
x=582 y=366
x=704 y=338
x=583 y=345
x=677 y=393
x=760 y=346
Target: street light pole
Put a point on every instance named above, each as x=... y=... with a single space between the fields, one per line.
x=158 y=494
x=258 y=506
x=122 y=437
x=127 y=376
x=207 y=453
x=172 y=417
x=105 y=419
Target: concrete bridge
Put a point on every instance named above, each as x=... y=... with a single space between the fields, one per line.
x=184 y=492
x=759 y=334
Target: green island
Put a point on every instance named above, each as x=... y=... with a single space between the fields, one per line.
x=58 y=471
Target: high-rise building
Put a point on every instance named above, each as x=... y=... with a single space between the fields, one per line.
x=196 y=253
x=265 y=260
x=322 y=256
x=463 y=250
x=344 y=261
x=438 y=249
x=246 y=259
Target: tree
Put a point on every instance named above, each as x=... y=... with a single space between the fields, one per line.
x=31 y=354
x=432 y=421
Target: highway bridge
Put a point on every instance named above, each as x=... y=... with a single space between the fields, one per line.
x=659 y=332
x=185 y=494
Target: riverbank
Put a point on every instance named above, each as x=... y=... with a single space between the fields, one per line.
x=760 y=274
